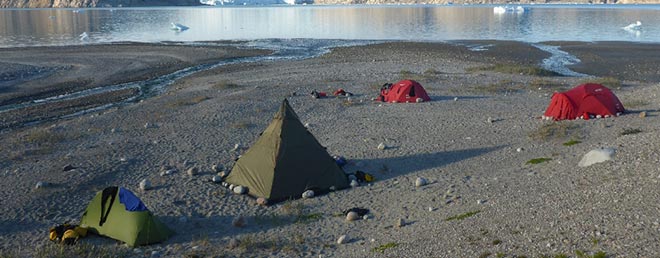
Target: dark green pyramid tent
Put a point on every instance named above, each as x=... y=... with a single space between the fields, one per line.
x=117 y=213
x=286 y=161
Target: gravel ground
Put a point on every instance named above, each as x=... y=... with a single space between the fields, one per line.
x=517 y=209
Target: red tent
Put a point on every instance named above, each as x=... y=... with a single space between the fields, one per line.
x=583 y=101
x=404 y=91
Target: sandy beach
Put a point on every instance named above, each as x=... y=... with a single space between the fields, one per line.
x=472 y=142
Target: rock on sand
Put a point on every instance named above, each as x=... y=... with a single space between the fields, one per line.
x=596 y=156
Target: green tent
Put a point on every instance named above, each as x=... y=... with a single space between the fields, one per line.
x=117 y=213
x=286 y=161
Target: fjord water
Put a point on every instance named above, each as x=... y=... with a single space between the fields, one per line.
x=29 y=27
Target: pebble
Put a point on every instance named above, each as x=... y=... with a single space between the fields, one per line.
x=354 y=183
x=381 y=146
x=455 y=98
x=308 y=194
x=41 y=184
x=419 y=100
x=236 y=147
x=481 y=201
x=239 y=189
x=155 y=254
x=233 y=243
x=490 y=120
x=145 y=184
x=239 y=222
x=420 y=181
x=351 y=216
x=343 y=239
x=193 y=171
x=262 y=201
x=400 y=223
x=168 y=172
x=431 y=209
x=216 y=179
x=642 y=114
x=217 y=168
x=520 y=149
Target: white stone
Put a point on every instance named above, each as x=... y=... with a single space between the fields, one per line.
x=420 y=181
x=519 y=149
x=354 y=183
x=481 y=201
x=419 y=100
x=351 y=216
x=239 y=189
x=455 y=98
x=308 y=194
x=490 y=120
x=41 y=184
x=145 y=184
x=381 y=146
x=365 y=217
x=307 y=125
x=216 y=179
x=599 y=116
x=431 y=209
x=236 y=147
x=231 y=186
x=343 y=239
x=597 y=156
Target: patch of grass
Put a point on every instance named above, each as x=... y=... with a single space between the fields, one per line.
x=555 y=130
x=251 y=243
x=496 y=242
x=502 y=86
x=241 y=125
x=428 y=74
x=307 y=218
x=462 y=216
x=546 y=85
x=581 y=254
x=224 y=84
x=83 y=250
x=293 y=208
x=571 y=142
x=43 y=137
x=538 y=160
x=635 y=103
x=629 y=131
x=514 y=69
x=188 y=102
x=610 y=82
x=383 y=247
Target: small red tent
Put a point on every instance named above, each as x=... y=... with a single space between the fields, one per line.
x=404 y=91
x=583 y=101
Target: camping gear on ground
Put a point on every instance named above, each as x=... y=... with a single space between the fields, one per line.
x=583 y=101
x=403 y=92
x=117 y=213
x=364 y=177
x=286 y=161
x=342 y=92
x=316 y=94
x=341 y=161
x=66 y=233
